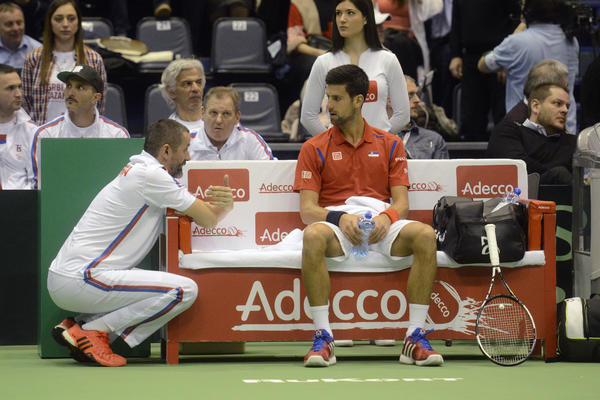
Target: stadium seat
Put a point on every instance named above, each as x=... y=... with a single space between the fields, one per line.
x=172 y=34
x=260 y=110
x=96 y=28
x=239 y=45
x=155 y=106
x=114 y=104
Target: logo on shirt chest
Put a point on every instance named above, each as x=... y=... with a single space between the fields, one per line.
x=372 y=93
x=336 y=155
x=373 y=154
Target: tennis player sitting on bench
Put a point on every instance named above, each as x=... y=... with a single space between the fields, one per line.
x=355 y=159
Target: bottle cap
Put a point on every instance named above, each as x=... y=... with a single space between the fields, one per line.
x=517 y=191
x=368 y=215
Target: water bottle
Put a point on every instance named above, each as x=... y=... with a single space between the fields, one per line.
x=509 y=197
x=366 y=224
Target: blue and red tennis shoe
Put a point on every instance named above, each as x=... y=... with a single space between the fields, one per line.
x=417 y=350
x=321 y=353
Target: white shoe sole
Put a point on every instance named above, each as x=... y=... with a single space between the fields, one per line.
x=344 y=343
x=434 y=359
x=318 y=361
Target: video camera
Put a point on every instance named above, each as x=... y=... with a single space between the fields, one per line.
x=575 y=18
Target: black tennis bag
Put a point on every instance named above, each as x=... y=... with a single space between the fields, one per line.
x=459 y=226
x=579 y=329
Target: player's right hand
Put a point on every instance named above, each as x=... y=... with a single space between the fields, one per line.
x=349 y=226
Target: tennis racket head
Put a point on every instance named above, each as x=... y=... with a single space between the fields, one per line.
x=505 y=330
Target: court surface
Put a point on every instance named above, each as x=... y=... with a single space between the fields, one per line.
x=275 y=371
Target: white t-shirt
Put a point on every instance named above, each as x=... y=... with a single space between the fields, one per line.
x=15 y=152
x=123 y=221
x=63 y=61
x=196 y=129
x=385 y=79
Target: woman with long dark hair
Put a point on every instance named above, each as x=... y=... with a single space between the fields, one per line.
x=62 y=49
x=355 y=41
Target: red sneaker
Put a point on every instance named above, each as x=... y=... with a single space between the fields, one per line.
x=417 y=350
x=57 y=331
x=321 y=352
x=94 y=344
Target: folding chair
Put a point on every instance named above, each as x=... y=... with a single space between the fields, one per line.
x=171 y=34
x=96 y=28
x=114 y=107
x=260 y=110
x=155 y=106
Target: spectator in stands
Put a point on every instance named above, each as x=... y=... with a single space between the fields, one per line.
x=420 y=143
x=405 y=32
x=589 y=94
x=355 y=41
x=62 y=49
x=34 y=11
x=113 y=295
x=16 y=133
x=541 y=141
x=439 y=57
x=518 y=53
x=477 y=26
x=347 y=161
x=182 y=86
x=14 y=43
x=545 y=72
x=308 y=36
x=83 y=91
x=223 y=138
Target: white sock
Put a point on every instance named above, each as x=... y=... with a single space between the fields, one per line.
x=96 y=325
x=320 y=315
x=417 y=313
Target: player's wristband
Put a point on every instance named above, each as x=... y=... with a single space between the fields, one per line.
x=392 y=214
x=333 y=217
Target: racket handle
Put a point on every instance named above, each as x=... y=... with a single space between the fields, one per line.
x=490 y=231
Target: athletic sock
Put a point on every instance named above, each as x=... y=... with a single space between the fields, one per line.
x=320 y=315
x=96 y=325
x=417 y=313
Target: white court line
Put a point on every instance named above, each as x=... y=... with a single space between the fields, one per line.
x=355 y=380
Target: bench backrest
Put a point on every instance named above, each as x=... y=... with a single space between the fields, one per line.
x=266 y=207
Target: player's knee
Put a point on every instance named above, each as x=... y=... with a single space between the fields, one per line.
x=425 y=238
x=315 y=236
x=190 y=290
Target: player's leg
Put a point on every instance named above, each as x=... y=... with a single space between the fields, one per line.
x=319 y=241
x=418 y=239
x=135 y=302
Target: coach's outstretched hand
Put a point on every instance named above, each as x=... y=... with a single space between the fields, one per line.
x=221 y=196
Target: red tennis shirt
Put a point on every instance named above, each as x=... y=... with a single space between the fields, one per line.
x=329 y=165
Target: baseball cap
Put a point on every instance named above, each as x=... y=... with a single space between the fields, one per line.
x=85 y=73
x=380 y=17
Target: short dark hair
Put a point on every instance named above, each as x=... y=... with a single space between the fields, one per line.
x=540 y=11
x=352 y=77
x=163 y=131
x=541 y=93
x=7 y=69
x=369 y=29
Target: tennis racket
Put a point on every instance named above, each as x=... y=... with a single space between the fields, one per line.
x=504 y=328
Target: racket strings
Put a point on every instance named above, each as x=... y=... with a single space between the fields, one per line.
x=506 y=332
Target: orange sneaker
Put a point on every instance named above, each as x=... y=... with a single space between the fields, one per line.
x=57 y=331
x=94 y=344
x=417 y=350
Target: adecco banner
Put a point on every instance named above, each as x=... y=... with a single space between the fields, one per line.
x=266 y=208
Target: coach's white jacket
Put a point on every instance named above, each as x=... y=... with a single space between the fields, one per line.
x=63 y=127
x=15 y=155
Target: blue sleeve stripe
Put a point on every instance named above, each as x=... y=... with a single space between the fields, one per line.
x=321 y=156
x=393 y=148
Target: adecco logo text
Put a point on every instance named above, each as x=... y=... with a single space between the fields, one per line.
x=199 y=180
x=425 y=187
x=372 y=93
x=275 y=188
x=485 y=181
x=273 y=227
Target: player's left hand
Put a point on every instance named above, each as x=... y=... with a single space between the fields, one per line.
x=382 y=226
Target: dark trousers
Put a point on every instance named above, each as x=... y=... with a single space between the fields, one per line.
x=481 y=93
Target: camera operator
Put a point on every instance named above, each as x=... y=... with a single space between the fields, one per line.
x=543 y=38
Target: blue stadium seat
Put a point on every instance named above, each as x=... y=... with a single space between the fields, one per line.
x=155 y=106
x=96 y=28
x=114 y=104
x=171 y=34
x=260 y=110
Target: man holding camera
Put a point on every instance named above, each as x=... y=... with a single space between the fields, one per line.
x=543 y=38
